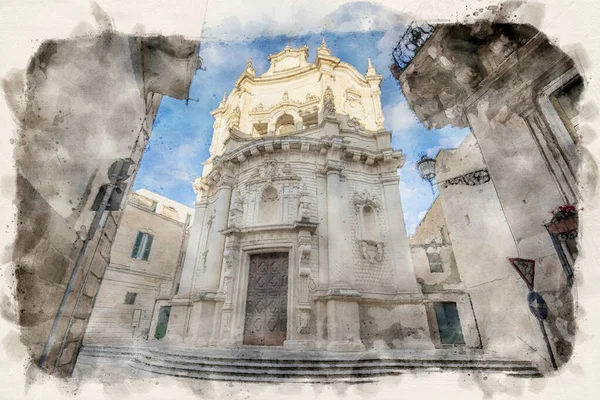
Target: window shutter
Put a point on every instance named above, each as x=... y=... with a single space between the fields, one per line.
x=136 y=246
x=147 y=247
x=449 y=323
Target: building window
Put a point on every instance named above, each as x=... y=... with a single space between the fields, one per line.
x=435 y=262
x=188 y=218
x=448 y=323
x=130 y=298
x=565 y=102
x=141 y=248
x=285 y=124
x=153 y=206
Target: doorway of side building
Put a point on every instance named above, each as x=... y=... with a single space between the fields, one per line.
x=163 y=322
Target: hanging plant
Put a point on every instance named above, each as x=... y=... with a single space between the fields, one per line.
x=564 y=219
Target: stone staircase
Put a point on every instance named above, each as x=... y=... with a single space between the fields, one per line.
x=268 y=365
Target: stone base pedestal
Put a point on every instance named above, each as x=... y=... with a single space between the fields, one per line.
x=176 y=329
x=343 y=326
x=201 y=319
x=298 y=345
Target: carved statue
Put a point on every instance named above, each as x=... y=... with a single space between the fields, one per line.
x=234 y=120
x=329 y=103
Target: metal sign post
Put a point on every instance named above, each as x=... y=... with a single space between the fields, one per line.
x=539 y=308
x=537 y=304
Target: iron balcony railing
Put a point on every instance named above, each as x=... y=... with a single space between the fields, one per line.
x=409 y=44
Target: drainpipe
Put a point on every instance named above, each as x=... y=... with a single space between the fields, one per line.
x=114 y=178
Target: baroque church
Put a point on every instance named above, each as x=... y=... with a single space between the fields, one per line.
x=299 y=237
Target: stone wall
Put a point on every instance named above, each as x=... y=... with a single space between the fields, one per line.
x=81 y=104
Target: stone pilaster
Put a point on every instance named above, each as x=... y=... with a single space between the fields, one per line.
x=398 y=241
x=216 y=240
x=343 y=327
x=194 y=242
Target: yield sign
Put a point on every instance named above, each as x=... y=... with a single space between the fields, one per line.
x=525 y=268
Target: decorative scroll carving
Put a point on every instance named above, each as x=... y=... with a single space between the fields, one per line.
x=474 y=178
x=269 y=168
x=355 y=124
x=329 y=103
x=225 y=321
x=304 y=255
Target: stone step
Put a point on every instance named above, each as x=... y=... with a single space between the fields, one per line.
x=277 y=365
x=255 y=378
x=335 y=369
x=328 y=363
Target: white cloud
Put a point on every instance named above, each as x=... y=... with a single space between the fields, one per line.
x=421 y=215
x=299 y=19
x=399 y=117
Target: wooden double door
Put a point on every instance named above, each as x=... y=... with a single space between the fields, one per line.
x=266 y=304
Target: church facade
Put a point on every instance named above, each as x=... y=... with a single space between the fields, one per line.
x=298 y=237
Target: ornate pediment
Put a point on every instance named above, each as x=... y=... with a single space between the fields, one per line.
x=288 y=59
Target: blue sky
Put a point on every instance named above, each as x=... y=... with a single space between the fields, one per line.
x=182 y=133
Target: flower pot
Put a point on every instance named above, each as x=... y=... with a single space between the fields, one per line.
x=572 y=223
x=564 y=225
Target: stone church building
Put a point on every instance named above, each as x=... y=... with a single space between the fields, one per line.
x=298 y=265
x=298 y=237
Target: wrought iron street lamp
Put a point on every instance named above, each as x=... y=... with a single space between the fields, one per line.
x=426 y=167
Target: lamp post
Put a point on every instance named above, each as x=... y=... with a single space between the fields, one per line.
x=426 y=167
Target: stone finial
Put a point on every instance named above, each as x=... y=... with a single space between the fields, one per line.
x=250 y=68
x=323 y=49
x=371 y=69
x=222 y=102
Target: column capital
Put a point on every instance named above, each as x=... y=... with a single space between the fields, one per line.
x=389 y=179
x=333 y=167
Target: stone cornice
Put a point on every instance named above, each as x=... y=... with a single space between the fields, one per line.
x=258 y=148
x=293 y=227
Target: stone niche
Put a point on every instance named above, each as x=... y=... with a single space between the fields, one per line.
x=369 y=235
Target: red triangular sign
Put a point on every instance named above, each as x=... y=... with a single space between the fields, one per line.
x=525 y=268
